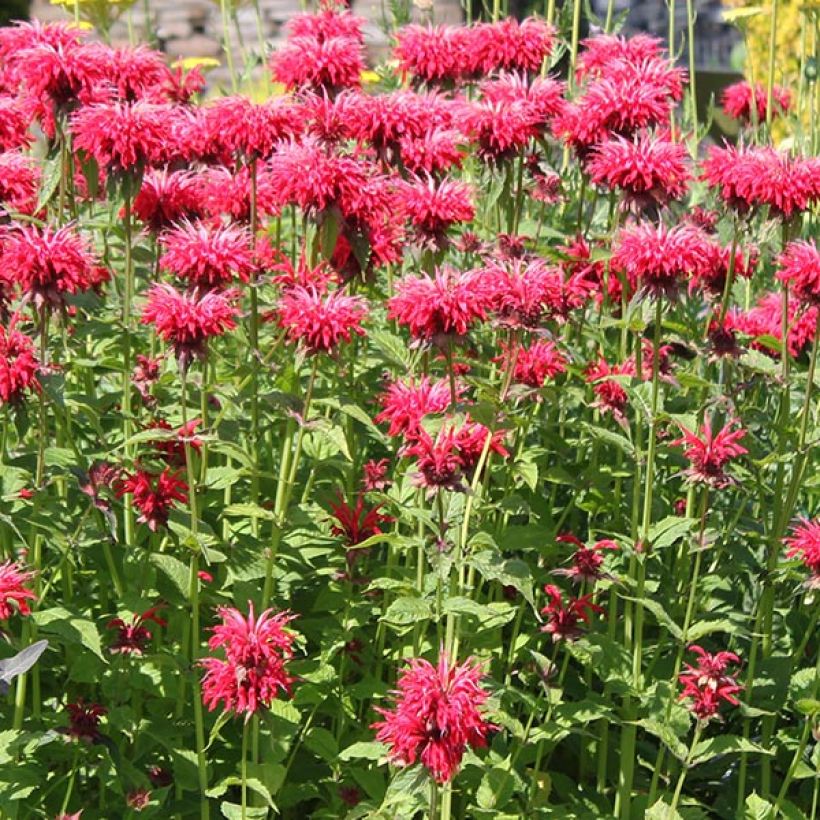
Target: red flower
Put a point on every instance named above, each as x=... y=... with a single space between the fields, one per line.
x=173 y=449
x=47 y=264
x=521 y=293
x=375 y=475
x=122 y=137
x=434 y=207
x=19 y=182
x=207 y=257
x=433 y=54
x=188 y=320
x=356 y=524
x=509 y=45
x=229 y=192
x=84 y=721
x=660 y=258
x=138 y=799
x=535 y=364
x=647 y=169
x=804 y=543
x=14 y=594
x=610 y=394
x=132 y=638
x=544 y=96
x=587 y=562
x=747 y=178
x=600 y=52
x=320 y=322
x=18 y=366
x=736 y=101
x=333 y=19
x=134 y=72
x=15 y=118
x=707 y=684
x=500 y=130
x=765 y=319
x=435 y=151
x=154 y=494
x=712 y=277
x=433 y=308
x=328 y=64
x=254 y=669
x=564 y=619
x=406 y=403
x=708 y=456
x=436 y=716
x=471 y=438
x=800 y=269
x=438 y=460
x=167 y=197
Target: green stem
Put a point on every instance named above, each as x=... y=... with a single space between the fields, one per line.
x=128 y=297
x=770 y=78
x=226 y=40
x=685 y=770
x=245 y=725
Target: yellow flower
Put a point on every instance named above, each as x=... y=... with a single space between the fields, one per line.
x=190 y=63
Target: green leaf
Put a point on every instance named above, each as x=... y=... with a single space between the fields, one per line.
x=323 y=743
x=661 y=810
x=512 y=572
x=51 y=181
x=364 y=750
x=249 y=510
x=174 y=570
x=703 y=628
x=73 y=628
x=496 y=788
x=757 y=808
x=725 y=744
x=233 y=811
x=669 y=530
x=808 y=706
x=611 y=437
x=408 y=610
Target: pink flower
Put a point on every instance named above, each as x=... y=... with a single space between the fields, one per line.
x=736 y=101
x=509 y=45
x=84 y=721
x=15 y=118
x=357 y=523
x=222 y=191
x=648 y=170
x=543 y=96
x=207 y=257
x=471 y=438
x=707 y=685
x=564 y=619
x=188 y=320
x=167 y=197
x=138 y=799
x=598 y=53
x=406 y=403
x=254 y=671
x=804 y=543
x=708 y=456
x=46 y=264
x=434 y=308
x=133 y=637
x=122 y=137
x=435 y=151
x=318 y=321
x=765 y=319
x=661 y=258
x=535 y=364
x=522 y=293
x=333 y=19
x=610 y=394
x=500 y=130
x=310 y=63
x=19 y=182
x=375 y=474
x=14 y=594
x=434 y=207
x=18 y=366
x=154 y=494
x=432 y=54
x=437 y=716
x=800 y=269
x=587 y=562
x=438 y=459
x=172 y=450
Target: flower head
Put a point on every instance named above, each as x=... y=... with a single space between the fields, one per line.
x=610 y=394
x=374 y=474
x=509 y=45
x=587 y=562
x=764 y=319
x=19 y=182
x=535 y=364
x=804 y=543
x=522 y=293
x=438 y=459
x=15 y=118
x=736 y=101
x=188 y=320
x=434 y=207
x=14 y=592
x=310 y=63
x=436 y=717
x=18 y=366
x=254 y=670
x=154 y=494
x=207 y=257
x=564 y=619
x=84 y=721
x=433 y=152
x=357 y=523
x=710 y=454
x=800 y=269
x=707 y=684
x=167 y=197
x=132 y=637
x=431 y=54
x=598 y=53
x=406 y=402
x=320 y=321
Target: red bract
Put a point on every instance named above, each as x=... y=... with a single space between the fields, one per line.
x=508 y=45
x=543 y=95
x=804 y=543
x=522 y=293
x=598 y=53
x=14 y=592
x=747 y=178
x=709 y=455
x=172 y=450
x=736 y=100
x=432 y=54
x=84 y=721
x=445 y=305
x=437 y=716
x=564 y=620
x=154 y=494
x=660 y=259
x=18 y=366
x=333 y=19
x=434 y=207
x=167 y=197
x=188 y=320
x=47 y=263
x=587 y=562
x=133 y=637
x=357 y=523
x=207 y=257
x=438 y=460
x=648 y=170
x=320 y=321
x=535 y=364
x=329 y=64
x=406 y=403
x=254 y=671
x=122 y=137
x=707 y=685
x=800 y=269
x=500 y=130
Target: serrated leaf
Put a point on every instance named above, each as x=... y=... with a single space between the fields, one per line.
x=249 y=511
x=174 y=570
x=725 y=744
x=364 y=750
x=408 y=610
x=74 y=628
x=669 y=530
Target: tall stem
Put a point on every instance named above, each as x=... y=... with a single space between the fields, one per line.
x=770 y=77
x=690 y=30
x=245 y=725
x=226 y=40
x=685 y=770
x=128 y=297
